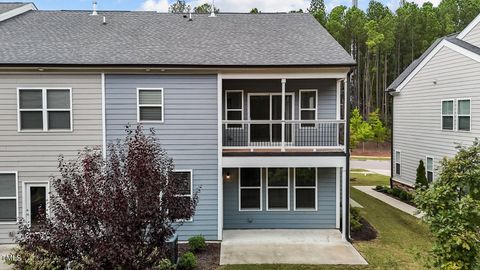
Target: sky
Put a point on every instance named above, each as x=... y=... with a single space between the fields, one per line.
x=223 y=5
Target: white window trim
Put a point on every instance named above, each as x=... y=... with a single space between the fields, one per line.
x=452 y=115
x=300 y=109
x=189 y=195
x=11 y=198
x=433 y=167
x=44 y=110
x=302 y=187
x=268 y=187
x=24 y=196
x=234 y=110
x=399 y=162
x=257 y=187
x=161 y=105
x=458 y=115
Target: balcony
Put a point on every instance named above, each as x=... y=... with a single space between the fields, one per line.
x=297 y=135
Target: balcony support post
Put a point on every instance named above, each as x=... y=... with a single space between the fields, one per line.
x=284 y=81
x=345 y=115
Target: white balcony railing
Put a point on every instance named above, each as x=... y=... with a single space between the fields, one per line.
x=297 y=134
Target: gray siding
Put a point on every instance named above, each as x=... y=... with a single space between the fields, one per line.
x=473 y=37
x=35 y=155
x=189 y=133
x=417 y=111
x=324 y=218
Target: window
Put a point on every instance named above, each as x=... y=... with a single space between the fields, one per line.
x=44 y=109
x=278 y=194
x=185 y=189
x=305 y=182
x=447 y=114
x=234 y=107
x=308 y=106
x=463 y=114
x=8 y=197
x=429 y=169
x=250 y=186
x=398 y=162
x=150 y=105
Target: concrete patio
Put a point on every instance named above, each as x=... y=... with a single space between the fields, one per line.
x=287 y=247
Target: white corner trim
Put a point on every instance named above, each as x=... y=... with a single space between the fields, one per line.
x=104 y=121
x=338 y=172
x=17 y=11
x=443 y=43
x=220 y=157
x=469 y=27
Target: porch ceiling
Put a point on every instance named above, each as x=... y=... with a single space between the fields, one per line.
x=287 y=247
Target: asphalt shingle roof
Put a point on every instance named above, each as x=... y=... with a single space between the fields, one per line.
x=7 y=6
x=151 y=38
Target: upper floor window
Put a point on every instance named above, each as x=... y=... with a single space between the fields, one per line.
x=44 y=109
x=398 y=162
x=308 y=106
x=234 y=107
x=429 y=169
x=447 y=114
x=150 y=105
x=463 y=114
x=8 y=197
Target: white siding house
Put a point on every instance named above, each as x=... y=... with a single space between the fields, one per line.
x=436 y=105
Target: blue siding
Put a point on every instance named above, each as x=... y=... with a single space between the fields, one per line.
x=323 y=218
x=188 y=134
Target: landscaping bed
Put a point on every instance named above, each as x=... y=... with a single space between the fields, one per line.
x=207 y=259
x=398 y=193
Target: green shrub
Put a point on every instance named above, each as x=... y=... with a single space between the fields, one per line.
x=22 y=258
x=187 y=261
x=421 y=181
x=355 y=218
x=197 y=243
x=165 y=264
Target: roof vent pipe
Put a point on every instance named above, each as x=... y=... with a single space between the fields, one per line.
x=94 y=12
x=212 y=14
x=190 y=16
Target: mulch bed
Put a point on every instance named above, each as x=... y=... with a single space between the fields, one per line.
x=396 y=198
x=208 y=259
x=366 y=233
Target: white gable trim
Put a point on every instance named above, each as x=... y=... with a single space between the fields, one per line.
x=443 y=43
x=17 y=11
x=469 y=27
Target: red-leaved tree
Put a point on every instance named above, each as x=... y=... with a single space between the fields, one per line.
x=116 y=213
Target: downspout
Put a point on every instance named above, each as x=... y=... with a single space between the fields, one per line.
x=347 y=144
x=391 y=146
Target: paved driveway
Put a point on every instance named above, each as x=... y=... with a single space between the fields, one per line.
x=287 y=247
x=376 y=166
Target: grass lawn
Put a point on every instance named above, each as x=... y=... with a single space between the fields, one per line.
x=373 y=179
x=403 y=241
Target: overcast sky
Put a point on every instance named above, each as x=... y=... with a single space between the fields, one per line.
x=224 y=5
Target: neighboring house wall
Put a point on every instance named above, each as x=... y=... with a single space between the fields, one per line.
x=189 y=132
x=417 y=111
x=323 y=218
x=35 y=154
x=473 y=37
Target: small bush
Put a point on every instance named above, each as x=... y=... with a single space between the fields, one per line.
x=421 y=181
x=21 y=258
x=355 y=218
x=165 y=264
x=187 y=261
x=197 y=243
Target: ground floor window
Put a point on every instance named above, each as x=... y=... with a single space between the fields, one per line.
x=185 y=188
x=429 y=169
x=305 y=185
x=278 y=187
x=8 y=197
x=250 y=187
x=398 y=162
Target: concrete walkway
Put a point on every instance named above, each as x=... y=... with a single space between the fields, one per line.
x=390 y=201
x=4 y=252
x=287 y=247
